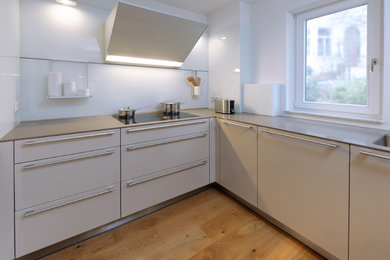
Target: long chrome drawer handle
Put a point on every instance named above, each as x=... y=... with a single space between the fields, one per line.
x=164 y=126
x=375 y=155
x=239 y=125
x=32 y=142
x=36 y=165
x=166 y=141
x=155 y=176
x=301 y=139
x=34 y=212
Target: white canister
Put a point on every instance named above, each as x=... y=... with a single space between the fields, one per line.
x=54 y=84
x=69 y=88
x=83 y=92
x=196 y=90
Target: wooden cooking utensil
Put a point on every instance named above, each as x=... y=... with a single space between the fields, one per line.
x=197 y=82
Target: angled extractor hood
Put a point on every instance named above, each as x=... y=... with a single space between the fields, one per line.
x=139 y=36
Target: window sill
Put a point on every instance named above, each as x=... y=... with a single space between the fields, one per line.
x=343 y=118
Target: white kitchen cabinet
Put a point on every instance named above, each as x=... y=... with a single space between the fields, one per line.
x=6 y=201
x=369 y=205
x=163 y=161
x=146 y=133
x=46 y=180
x=153 y=156
x=303 y=182
x=214 y=148
x=48 y=147
x=238 y=159
x=147 y=191
x=46 y=224
x=64 y=186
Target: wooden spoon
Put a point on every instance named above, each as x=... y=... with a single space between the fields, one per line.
x=191 y=79
x=197 y=82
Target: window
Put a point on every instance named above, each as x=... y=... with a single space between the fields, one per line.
x=324 y=41
x=336 y=72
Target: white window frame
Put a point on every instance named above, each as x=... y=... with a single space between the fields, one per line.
x=373 y=108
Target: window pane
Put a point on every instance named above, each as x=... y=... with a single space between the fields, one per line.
x=336 y=71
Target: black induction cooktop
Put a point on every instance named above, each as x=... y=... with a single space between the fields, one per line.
x=154 y=117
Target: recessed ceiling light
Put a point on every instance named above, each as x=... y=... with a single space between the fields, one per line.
x=66 y=2
x=223 y=38
x=237 y=70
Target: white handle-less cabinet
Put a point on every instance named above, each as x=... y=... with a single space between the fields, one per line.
x=238 y=159
x=6 y=202
x=369 y=205
x=303 y=183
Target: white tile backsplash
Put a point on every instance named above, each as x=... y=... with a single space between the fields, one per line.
x=112 y=87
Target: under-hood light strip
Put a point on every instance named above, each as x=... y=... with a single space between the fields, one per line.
x=67 y=2
x=142 y=61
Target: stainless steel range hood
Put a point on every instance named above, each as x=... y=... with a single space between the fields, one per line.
x=139 y=36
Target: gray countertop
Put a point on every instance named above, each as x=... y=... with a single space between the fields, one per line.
x=361 y=136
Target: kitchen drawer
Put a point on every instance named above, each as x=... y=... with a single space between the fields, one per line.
x=47 y=147
x=38 y=227
x=148 y=157
x=46 y=180
x=138 y=134
x=144 y=192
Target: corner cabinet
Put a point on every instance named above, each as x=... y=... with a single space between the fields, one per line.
x=303 y=183
x=238 y=159
x=370 y=208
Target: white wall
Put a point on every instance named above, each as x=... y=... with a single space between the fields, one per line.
x=270 y=43
x=50 y=31
x=9 y=63
x=227 y=55
x=111 y=86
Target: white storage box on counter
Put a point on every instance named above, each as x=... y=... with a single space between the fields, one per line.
x=262 y=99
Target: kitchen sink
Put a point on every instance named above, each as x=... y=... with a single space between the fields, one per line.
x=384 y=141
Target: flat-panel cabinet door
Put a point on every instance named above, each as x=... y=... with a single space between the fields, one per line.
x=303 y=183
x=6 y=201
x=370 y=207
x=238 y=159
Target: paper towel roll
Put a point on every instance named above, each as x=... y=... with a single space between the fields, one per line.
x=69 y=88
x=54 y=84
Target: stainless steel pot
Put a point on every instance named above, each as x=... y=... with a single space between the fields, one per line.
x=171 y=108
x=126 y=112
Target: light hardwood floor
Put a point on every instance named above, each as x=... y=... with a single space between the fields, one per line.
x=209 y=225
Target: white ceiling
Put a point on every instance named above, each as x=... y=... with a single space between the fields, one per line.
x=201 y=6
x=198 y=6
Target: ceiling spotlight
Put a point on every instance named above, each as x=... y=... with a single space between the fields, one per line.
x=223 y=38
x=67 y=2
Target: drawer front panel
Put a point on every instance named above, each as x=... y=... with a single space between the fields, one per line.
x=142 y=193
x=139 y=134
x=51 y=179
x=37 y=228
x=146 y=158
x=48 y=147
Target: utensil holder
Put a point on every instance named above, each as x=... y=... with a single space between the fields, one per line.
x=196 y=90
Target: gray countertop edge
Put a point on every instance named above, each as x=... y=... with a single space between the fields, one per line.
x=353 y=135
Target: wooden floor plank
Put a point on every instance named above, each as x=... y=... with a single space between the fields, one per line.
x=210 y=225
